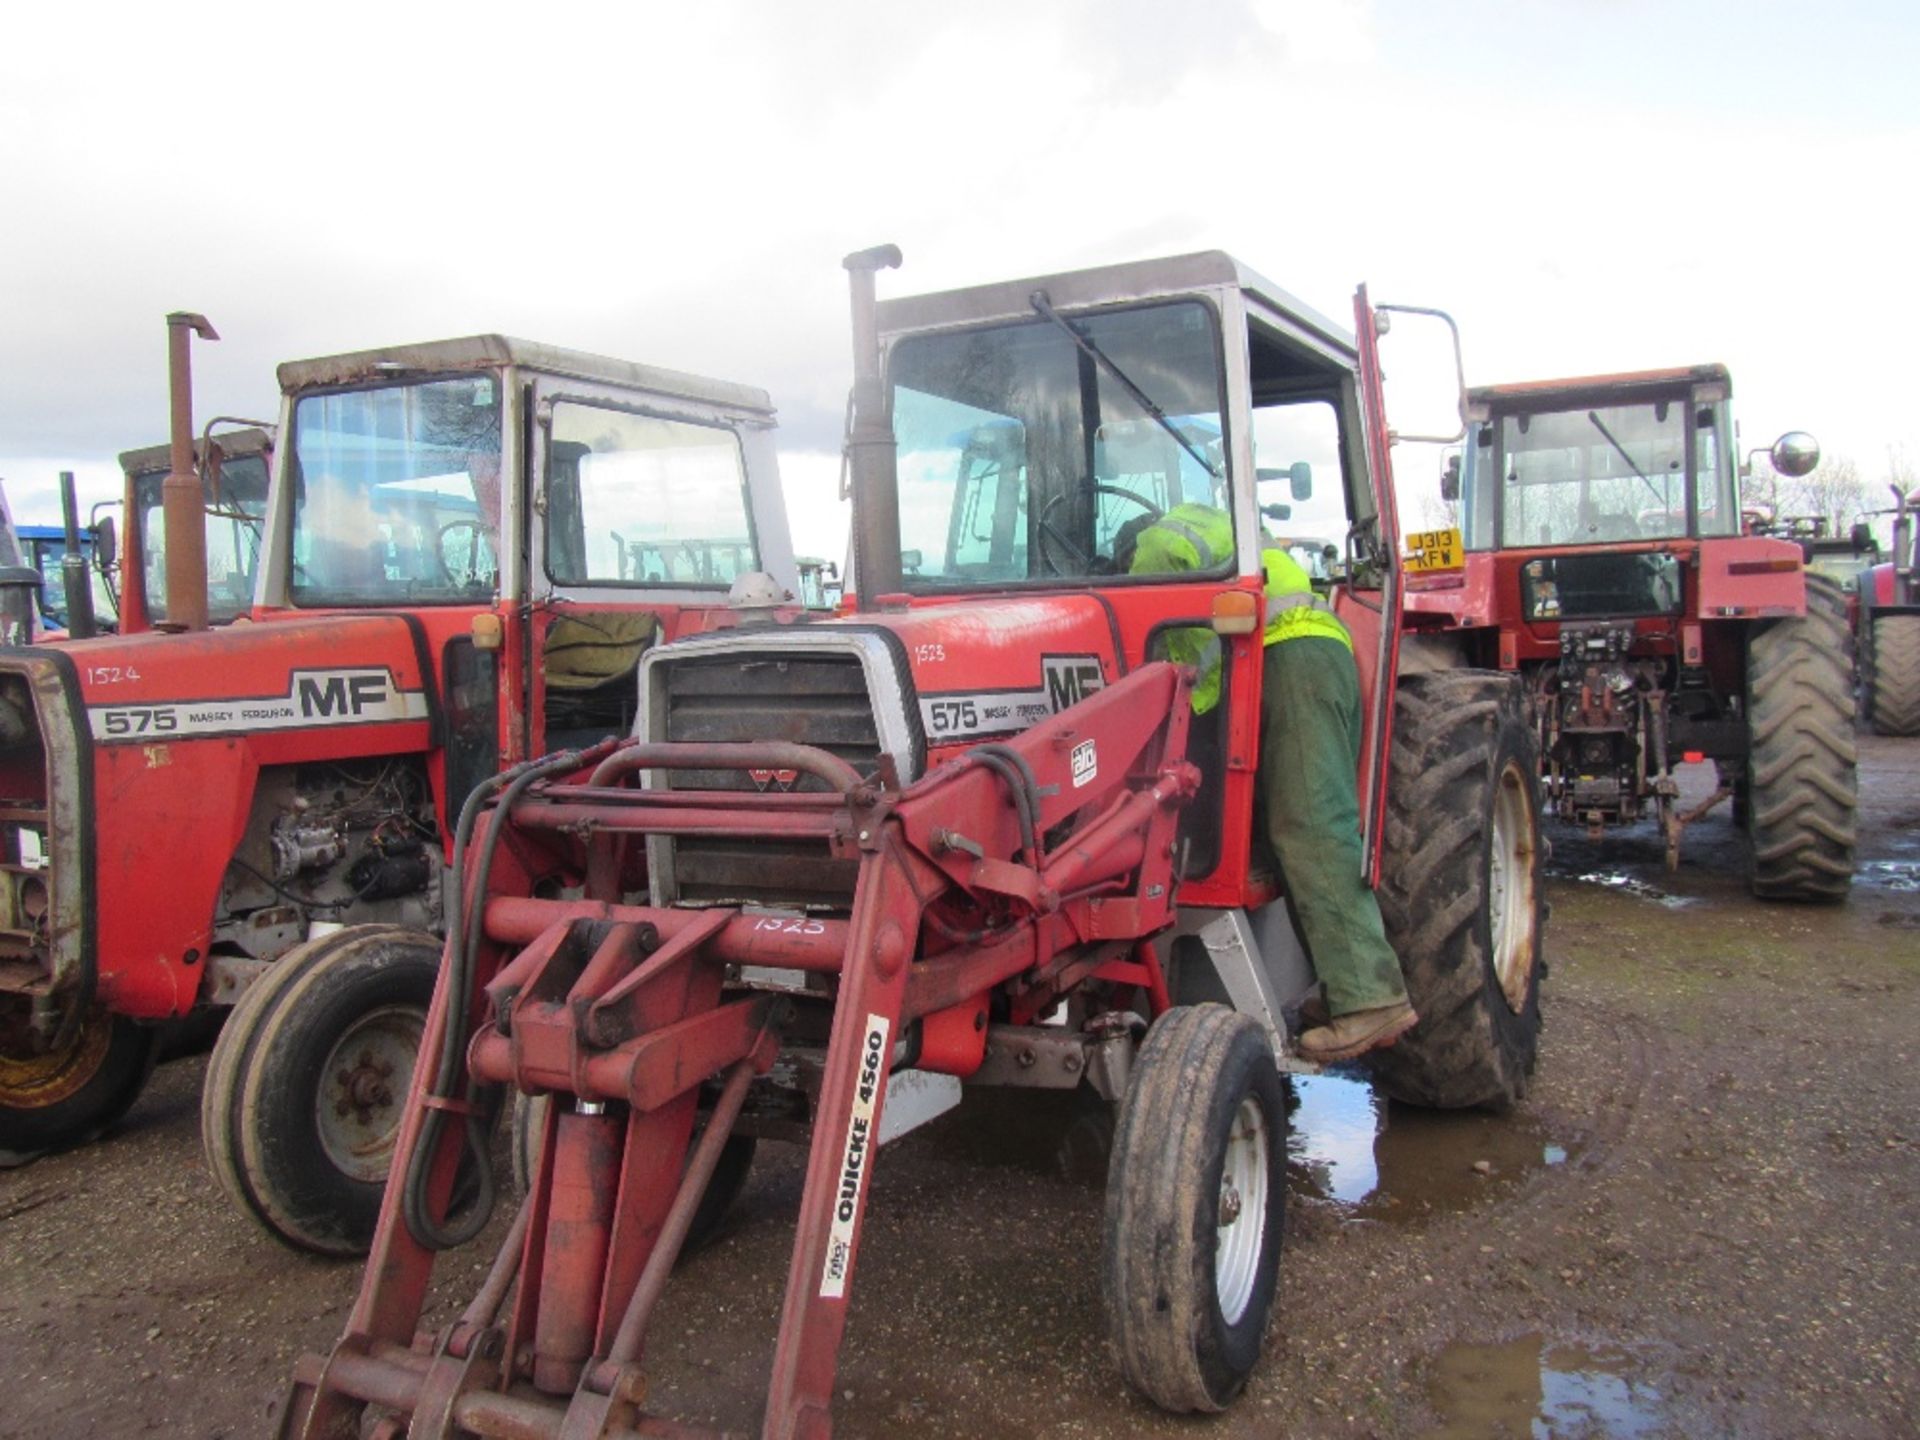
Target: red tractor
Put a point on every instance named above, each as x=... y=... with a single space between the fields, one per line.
x=970 y=832
x=1889 y=629
x=264 y=812
x=1604 y=564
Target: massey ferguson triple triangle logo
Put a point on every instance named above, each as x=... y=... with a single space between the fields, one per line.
x=778 y=779
x=366 y=696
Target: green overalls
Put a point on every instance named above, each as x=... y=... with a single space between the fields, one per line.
x=1309 y=751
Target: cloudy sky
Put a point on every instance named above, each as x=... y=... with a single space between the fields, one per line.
x=1585 y=184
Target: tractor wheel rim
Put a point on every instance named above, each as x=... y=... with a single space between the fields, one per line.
x=1510 y=887
x=1242 y=1213
x=31 y=1080
x=363 y=1090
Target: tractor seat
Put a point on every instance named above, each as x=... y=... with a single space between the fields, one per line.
x=590 y=661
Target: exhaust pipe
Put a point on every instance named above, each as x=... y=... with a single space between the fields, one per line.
x=183 y=504
x=870 y=444
x=73 y=566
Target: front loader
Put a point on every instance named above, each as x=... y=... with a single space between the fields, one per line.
x=259 y=814
x=971 y=831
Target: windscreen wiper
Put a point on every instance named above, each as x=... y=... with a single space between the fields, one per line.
x=1044 y=308
x=1600 y=425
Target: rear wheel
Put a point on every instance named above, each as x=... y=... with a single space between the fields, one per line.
x=59 y=1097
x=308 y=1083
x=1800 y=756
x=1196 y=1196
x=1893 y=687
x=1460 y=890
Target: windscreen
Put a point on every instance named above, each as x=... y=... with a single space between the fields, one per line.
x=234 y=520
x=397 y=494
x=1575 y=477
x=1027 y=454
x=643 y=500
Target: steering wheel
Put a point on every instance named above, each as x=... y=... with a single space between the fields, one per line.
x=476 y=544
x=1047 y=529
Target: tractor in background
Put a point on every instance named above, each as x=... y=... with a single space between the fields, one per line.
x=971 y=831
x=263 y=811
x=1888 y=628
x=1603 y=562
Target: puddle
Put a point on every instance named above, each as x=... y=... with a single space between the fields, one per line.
x=1391 y=1162
x=1622 y=884
x=1902 y=875
x=1530 y=1389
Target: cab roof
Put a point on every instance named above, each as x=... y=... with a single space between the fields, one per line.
x=1105 y=285
x=1626 y=387
x=490 y=352
x=231 y=443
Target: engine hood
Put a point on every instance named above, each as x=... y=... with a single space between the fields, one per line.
x=985 y=669
x=315 y=671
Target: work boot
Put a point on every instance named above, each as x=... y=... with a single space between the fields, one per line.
x=1346 y=1036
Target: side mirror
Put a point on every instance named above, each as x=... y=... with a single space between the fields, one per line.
x=1300 y=480
x=1795 y=453
x=1450 y=478
x=1277 y=511
x=1862 y=536
x=106 y=544
x=910 y=561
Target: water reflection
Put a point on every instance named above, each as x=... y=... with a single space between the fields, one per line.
x=1529 y=1388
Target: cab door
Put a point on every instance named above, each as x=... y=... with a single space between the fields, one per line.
x=1379 y=661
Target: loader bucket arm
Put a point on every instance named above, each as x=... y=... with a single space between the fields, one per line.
x=1022 y=869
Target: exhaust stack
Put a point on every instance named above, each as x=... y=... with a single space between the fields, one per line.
x=74 y=576
x=183 y=504
x=870 y=444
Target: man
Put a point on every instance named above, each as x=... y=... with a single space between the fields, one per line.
x=1309 y=750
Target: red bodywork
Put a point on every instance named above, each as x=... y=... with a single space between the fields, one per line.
x=141 y=782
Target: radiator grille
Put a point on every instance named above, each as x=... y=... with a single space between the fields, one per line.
x=818 y=700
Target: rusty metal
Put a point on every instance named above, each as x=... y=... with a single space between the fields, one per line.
x=183 y=500
x=870 y=443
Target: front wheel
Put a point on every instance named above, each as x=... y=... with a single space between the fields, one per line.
x=308 y=1083
x=1461 y=892
x=59 y=1097
x=1196 y=1197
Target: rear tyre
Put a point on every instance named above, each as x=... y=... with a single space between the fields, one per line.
x=730 y=1172
x=1196 y=1197
x=53 y=1099
x=1800 y=758
x=308 y=1084
x=1461 y=891
x=1893 y=688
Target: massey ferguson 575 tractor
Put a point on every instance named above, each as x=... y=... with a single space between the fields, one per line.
x=972 y=831
x=1604 y=564
x=264 y=812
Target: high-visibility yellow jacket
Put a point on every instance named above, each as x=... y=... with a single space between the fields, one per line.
x=1200 y=537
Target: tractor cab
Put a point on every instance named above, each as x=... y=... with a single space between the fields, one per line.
x=234 y=467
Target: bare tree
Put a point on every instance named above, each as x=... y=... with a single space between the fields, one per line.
x=1833 y=491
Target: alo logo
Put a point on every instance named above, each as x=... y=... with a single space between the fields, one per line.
x=1071 y=679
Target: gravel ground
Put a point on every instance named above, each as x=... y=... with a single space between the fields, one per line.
x=1703 y=1221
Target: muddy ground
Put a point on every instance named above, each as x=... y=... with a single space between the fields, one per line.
x=1705 y=1220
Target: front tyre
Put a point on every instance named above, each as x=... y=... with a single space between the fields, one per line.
x=308 y=1083
x=1800 y=751
x=1461 y=891
x=54 y=1098
x=1196 y=1197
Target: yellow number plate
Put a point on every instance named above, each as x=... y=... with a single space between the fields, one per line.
x=1434 y=550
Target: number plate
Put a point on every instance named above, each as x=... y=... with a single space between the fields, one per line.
x=1434 y=550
